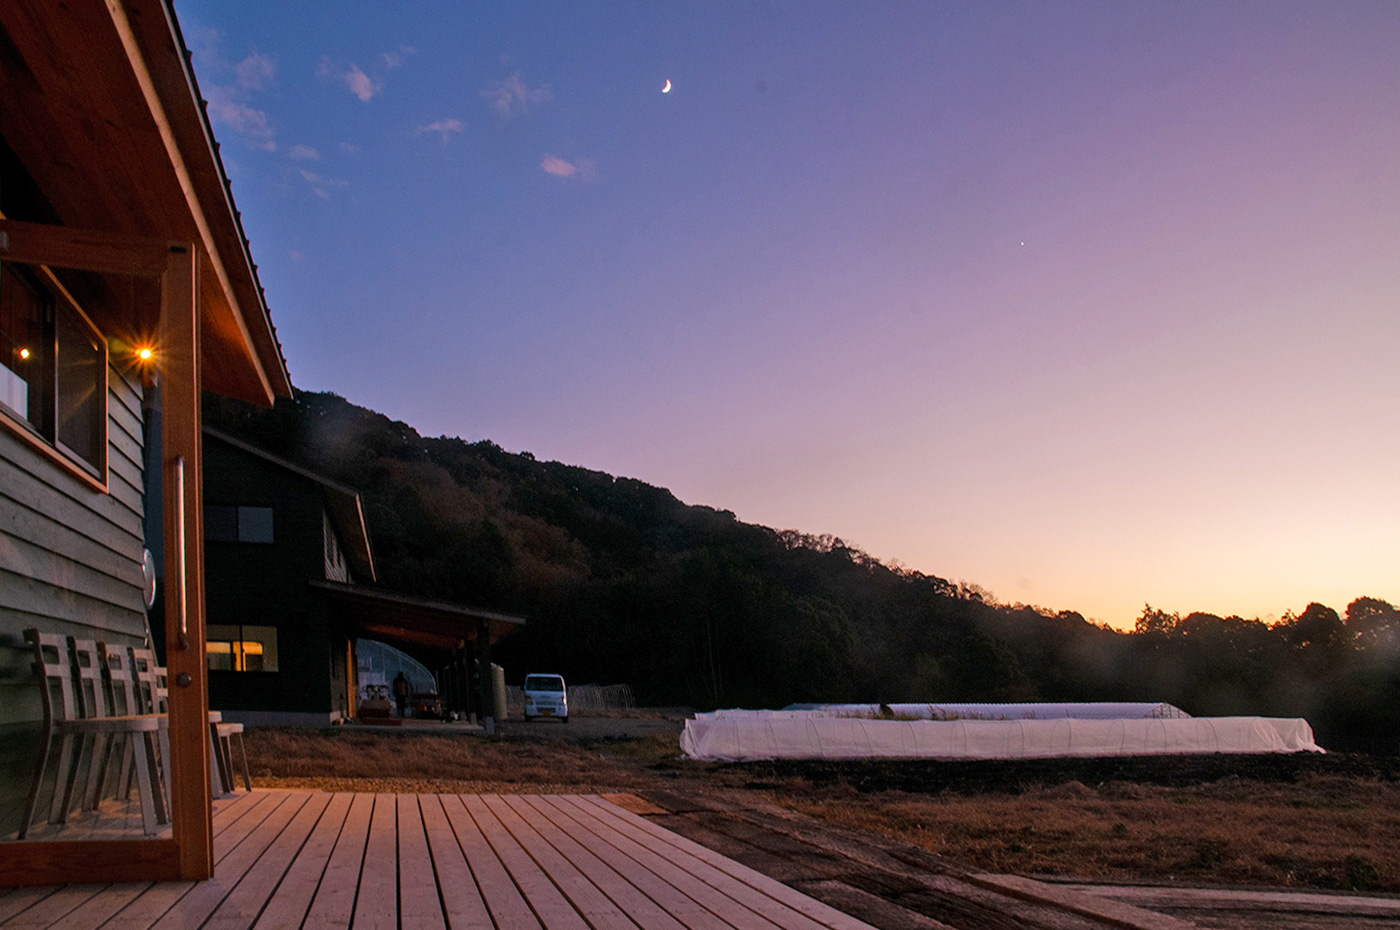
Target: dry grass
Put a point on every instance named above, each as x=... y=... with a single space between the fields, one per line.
x=1324 y=831
x=344 y=760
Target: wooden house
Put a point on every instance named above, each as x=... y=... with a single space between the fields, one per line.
x=125 y=284
x=289 y=575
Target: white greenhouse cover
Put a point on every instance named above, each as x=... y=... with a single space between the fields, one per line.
x=1103 y=710
x=742 y=736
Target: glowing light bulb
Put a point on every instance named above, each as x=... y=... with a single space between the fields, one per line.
x=144 y=354
x=24 y=353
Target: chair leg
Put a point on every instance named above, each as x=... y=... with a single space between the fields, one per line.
x=102 y=744
x=145 y=767
x=226 y=764
x=242 y=751
x=218 y=777
x=108 y=773
x=162 y=744
x=31 y=805
x=63 y=782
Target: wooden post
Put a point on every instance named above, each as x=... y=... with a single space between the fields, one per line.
x=187 y=677
x=484 y=685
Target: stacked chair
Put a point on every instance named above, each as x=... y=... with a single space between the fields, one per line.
x=106 y=731
x=97 y=718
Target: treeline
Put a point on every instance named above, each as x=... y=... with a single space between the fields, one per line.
x=622 y=582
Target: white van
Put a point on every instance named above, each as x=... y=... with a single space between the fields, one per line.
x=546 y=696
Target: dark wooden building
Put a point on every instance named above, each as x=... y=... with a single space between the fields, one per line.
x=288 y=586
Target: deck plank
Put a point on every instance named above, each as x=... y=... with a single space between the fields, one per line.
x=194 y=908
x=585 y=896
x=508 y=908
x=239 y=830
x=790 y=897
x=419 y=903
x=228 y=810
x=287 y=907
x=238 y=821
x=308 y=860
x=21 y=899
x=334 y=902
x=617 y=884
x=54 y=908
x=241 y=907
x=553 y=909
x=739 y=893
x=723 y=907
x=676 y=902
x=377 y=904
x=462 y=903
x=98 y=909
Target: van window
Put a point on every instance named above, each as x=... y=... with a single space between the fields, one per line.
x=544 y=683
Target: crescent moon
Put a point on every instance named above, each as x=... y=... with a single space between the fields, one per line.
x=667 y=88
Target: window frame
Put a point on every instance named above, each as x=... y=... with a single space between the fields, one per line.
x=236 y=512
x=37 y=436
x=238 y=652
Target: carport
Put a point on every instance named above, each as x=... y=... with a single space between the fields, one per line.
x=452 y=638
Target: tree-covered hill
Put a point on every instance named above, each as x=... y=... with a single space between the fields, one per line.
x=622 y=582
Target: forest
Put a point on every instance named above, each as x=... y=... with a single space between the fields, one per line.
x=621 y=582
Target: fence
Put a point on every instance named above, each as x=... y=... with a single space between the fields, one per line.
x=583 y=699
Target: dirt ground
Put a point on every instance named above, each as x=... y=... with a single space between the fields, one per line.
x=1304 y=821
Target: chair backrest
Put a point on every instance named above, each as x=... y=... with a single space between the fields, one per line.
x=150 y=681
x=116 y=663
x=54 y=668
x=87 y=680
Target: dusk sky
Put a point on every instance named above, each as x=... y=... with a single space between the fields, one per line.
x=1089 y=304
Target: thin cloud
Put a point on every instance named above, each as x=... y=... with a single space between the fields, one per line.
x=395 y=58
x=321 y=185
x=303 y=153
x=349 y=148
x=584 y=169
x=359 y=83
x=255 y=72
x=445 y=127
x=249 y=123
x=513 y=95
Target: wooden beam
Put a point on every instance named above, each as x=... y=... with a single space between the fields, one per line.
x=85 y=250
x=139 y=67
x=52 y=862
x=184 y=564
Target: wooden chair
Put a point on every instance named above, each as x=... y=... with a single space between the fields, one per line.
x=117 y=666
x=153 y=698
x=79 y=718
x=221 y=736
x=151 y=693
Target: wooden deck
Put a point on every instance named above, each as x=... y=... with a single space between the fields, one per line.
x=306 y=860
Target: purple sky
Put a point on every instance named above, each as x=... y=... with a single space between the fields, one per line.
x=1090 y=304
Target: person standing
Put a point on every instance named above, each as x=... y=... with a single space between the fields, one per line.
x=401 y=693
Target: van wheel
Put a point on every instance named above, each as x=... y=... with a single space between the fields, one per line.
x=563 y=719
x=528 y=718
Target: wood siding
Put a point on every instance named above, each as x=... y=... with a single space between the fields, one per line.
x=70 y=562
x=70 y=557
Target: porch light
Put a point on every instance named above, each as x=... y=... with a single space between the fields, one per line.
x=24 y=353
x=145 y=354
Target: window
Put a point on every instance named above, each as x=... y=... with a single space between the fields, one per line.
x=53 y=368
x=239 y=648
x=225 y=523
